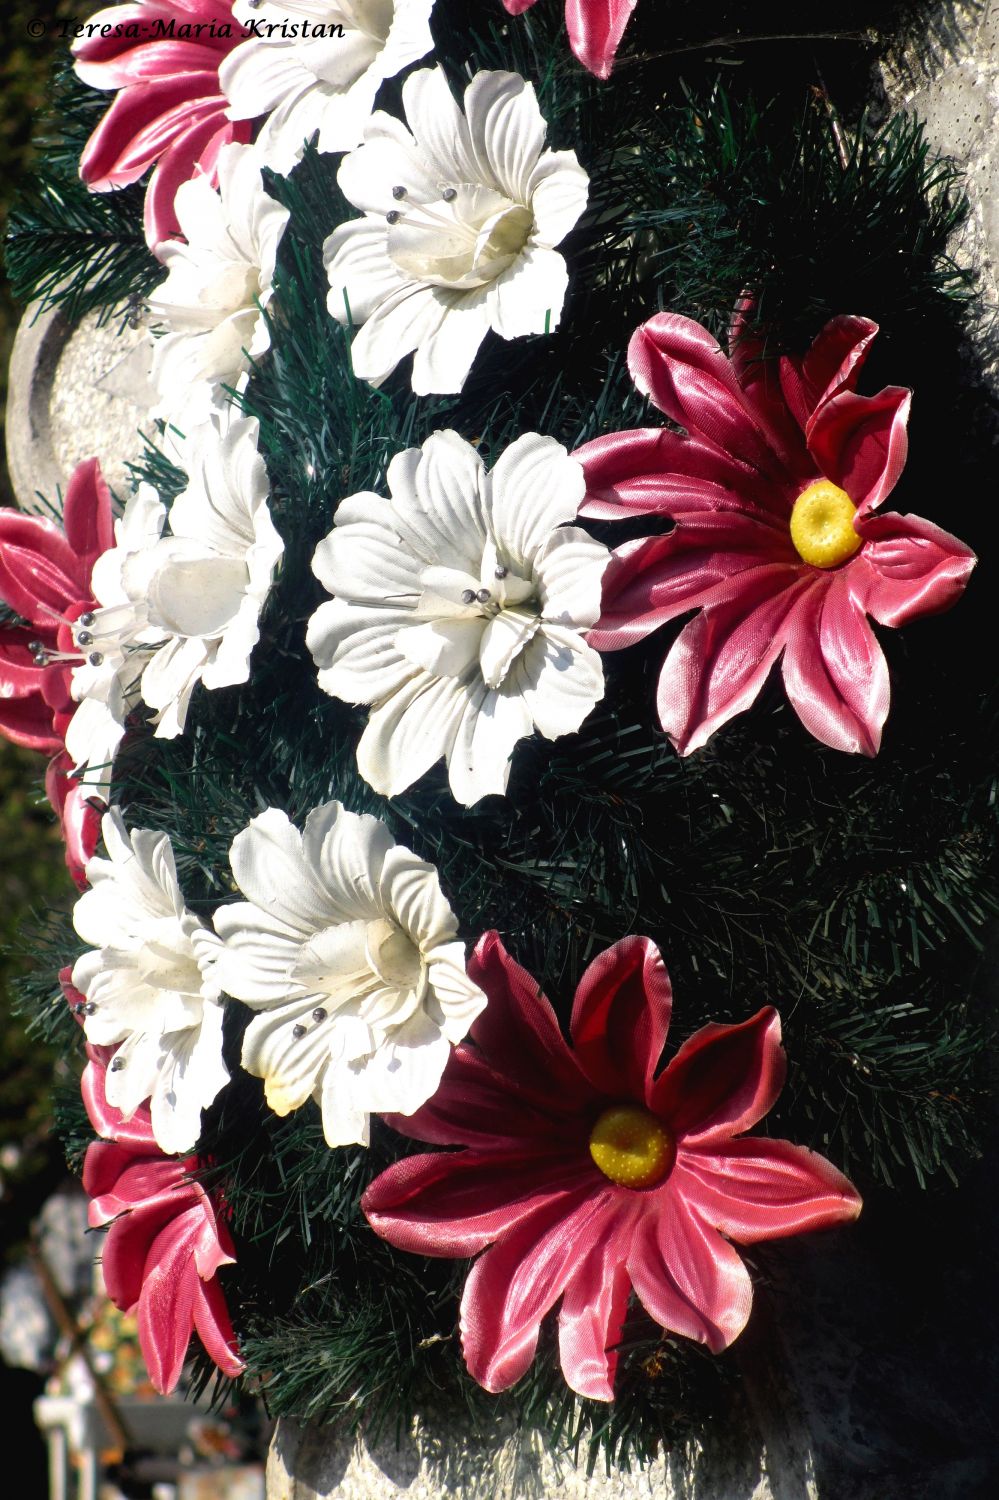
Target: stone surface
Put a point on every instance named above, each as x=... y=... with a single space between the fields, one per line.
x=76 y=390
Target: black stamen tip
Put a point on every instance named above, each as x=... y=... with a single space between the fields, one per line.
x=468 y=596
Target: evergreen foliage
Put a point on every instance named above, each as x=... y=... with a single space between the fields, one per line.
x=852 y=894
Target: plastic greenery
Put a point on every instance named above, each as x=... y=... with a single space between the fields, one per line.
x=852 y=894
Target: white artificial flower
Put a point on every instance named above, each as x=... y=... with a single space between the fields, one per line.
x=210 y=303
x=460 y=222
x=151 y=985
x=458 y=611
x=346 y=946
x=115 y=643
x=203 y=586
x=299 y=73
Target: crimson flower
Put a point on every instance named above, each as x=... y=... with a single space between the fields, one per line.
x=595 y=29
x=170 y=108
x=79 y=814
x=165 y=1242
x=780 y=542
x=587 y=1173
x=45 y=578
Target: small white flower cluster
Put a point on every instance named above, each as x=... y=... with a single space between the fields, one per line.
x=345 y=946
x=179 y=609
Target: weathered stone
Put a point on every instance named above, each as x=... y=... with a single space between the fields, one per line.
x=76 y=390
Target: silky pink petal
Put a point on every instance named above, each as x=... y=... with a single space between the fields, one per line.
x=518 y=1033
x=512 y=1286
x=139 y=126
x=87 y=520
x=861 y=443
x=591 y=1318
x=192 y=152
x=150 y=60
x=756 y=1189
x=595 y=30
x=655 y=471
x=679 y=366
x=107 y=1121
x=620 y=1018
x=475 y=1106
x=653 y=579
x=722 y=1081
x=913 y=568
x=832 y=364
x=38 y=568
x=721 y=659
x=457 y=1204
x=25 y=717
x=106 y=62
x=835 y=672
x=686 y=1276
x=517 y=7
x=213 y=1326
x=79 y=818
x=165 y=1311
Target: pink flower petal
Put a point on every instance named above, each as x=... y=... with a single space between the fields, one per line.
x=192 y=151
x=165 y=1312
x=512 y=1286
x=655 y=471
x=136 y=1133
x=861 y=443
x=444 y=1204
x=39 y=571
x=721 y=659
x=591 y=1318
x=595 y=30
x=517 y=7
x=620 y=1018
x=832 y=364
x=213 y=1326
x=686 y=1276
x=913 y=567
x=79 y=819
x=679 y=366
x=722 y=1081
x=757 y=1189
x=835 y=672
x=139 y=126
x=87 y=519
x=518 y=1033
x=474 y=1106
x=653 y=579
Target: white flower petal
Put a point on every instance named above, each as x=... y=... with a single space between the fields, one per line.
x=557 y=192
x=491 y=725
x=535 y=486
x=440 y=129
x=570 y=568
x=446 y=648
x=506 y=130
x=410 y=732
x=411 y=890
x=504 y=638
x=290 y=1066
x=405 y=1071
x=360 y=273
x=192 y=1075
x=442 y=362
x=356 y=655
x=456 y=1000
x=271 y=870
x=346 y=851
x=561 y=680
x=528 y=297
x=395 y=328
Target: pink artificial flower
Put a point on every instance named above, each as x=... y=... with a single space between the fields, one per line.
x=587 y=1173
x=170 y=109
x=45 y=578
x=779 y=542
x=79 y=813
x=595 y=29
x=165 y=1242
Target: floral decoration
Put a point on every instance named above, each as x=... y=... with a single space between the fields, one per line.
x=169 y=109
x=165 y=1237
x=459 y=611
x=586 y=1171
x=595 y=29
x=299 y=75
x=347 y=949
x=780 y=541
x=461 y=216
x=220 y=280
x=151 y=985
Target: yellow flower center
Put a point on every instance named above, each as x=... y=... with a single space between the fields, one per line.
x=632 y=1147
x=822 y=525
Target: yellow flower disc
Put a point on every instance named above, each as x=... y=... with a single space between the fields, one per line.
x=822 y=525
x=632 y=1147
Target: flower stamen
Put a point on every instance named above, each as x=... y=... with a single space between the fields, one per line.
x=822 y=526
x=632 y=1147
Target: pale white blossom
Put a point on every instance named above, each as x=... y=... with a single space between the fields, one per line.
x=347 y=948
x=150 y=985
x=303 y=77
x=204 y=585
x=115 y=643
x=220 y=278
x=461 y=218
x=459 y=611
